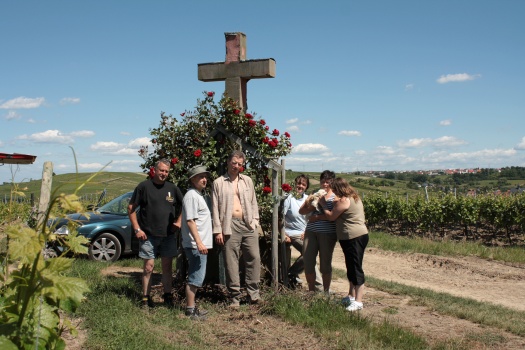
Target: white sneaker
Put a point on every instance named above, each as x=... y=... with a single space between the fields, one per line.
x=346 y=301
x=354 y=306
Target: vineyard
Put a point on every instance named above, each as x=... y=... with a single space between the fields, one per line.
x=491 y=219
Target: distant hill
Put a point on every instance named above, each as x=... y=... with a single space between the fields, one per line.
x=115 y=183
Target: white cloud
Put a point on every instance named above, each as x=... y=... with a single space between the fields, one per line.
x=12 y=115
x=119 y=149
x=105 y=146
x=310 y=148
x=521 y=145
x=384 y=150
x=48 y=136
x=83 y=133
x=23 y=103
x=349 y=133
x=1 y=143
x=445 y=122
x=307 y=122
x=31 y=121
x=125 y=133
x=292 y=121
x=452 y=78
x=141 y=141
x=444 y=141
x=293 y=128
x=69 y=100
x=409 y=87
x=448 y=141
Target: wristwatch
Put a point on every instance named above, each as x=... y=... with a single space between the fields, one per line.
x=137 y=230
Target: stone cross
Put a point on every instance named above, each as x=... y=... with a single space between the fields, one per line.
x=236 y=70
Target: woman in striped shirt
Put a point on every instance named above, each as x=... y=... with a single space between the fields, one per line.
x=320 y=237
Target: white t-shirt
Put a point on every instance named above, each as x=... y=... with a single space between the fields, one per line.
x=194 y=207
x=294 y=223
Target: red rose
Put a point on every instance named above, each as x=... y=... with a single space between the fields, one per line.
x=267 y=189
x=286 y=188
x=266 y=128
x=275 y=140
x=151 y=171
x=290 y=144
x=182 y=114
x=266 y=139
x=154 y=141
x=236 y=111
x=252 y=123
x=272 y=144
x=174 y=160
x=287 y=134
x=262 y=122
x=197 y=153
x=211 y=93
x=275 y=132
x=241 y=169
x=248 y=115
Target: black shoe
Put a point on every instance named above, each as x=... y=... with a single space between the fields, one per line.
x=168 y=299
x=147 y=302
x=196 y=314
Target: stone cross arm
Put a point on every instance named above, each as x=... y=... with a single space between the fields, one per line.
x=249 y=69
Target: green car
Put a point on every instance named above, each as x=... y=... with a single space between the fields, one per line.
x=108 y=229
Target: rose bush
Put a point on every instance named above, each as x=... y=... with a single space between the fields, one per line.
x=188 y=142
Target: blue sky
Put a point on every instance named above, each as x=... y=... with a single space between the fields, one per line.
x=360 y=85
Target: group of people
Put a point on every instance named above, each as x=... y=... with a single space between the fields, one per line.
x=232 y=220
x=315 y=229
x=164 y=211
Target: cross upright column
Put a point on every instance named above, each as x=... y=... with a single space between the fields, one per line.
x=236 y=70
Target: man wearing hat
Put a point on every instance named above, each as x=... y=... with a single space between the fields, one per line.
x=197 y=236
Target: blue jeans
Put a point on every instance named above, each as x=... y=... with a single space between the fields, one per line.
x=196 y=266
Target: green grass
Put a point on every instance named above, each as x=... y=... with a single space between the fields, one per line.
x=445 y=248
x=347 y=330
x=114 y=320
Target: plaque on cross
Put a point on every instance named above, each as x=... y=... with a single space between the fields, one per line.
x=236 y=70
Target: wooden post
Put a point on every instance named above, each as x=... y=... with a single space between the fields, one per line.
x=275 y=232
x=45 y=193
x=284 y=247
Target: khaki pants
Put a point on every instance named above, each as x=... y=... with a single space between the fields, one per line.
x=245 y=241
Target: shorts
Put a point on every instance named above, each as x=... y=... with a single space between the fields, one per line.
x=196 y=266
x=153 y=246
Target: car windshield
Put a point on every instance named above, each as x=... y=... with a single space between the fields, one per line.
x=118 y=206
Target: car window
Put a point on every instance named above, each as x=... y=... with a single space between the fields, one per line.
x=118 y=205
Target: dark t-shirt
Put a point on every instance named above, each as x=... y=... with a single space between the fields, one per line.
x=160 y=205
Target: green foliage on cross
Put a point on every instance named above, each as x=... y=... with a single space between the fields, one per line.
x=208 y=134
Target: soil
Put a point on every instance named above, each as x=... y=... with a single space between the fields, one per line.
x=482 y=280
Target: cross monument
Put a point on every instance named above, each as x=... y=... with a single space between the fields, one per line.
x=236 y=70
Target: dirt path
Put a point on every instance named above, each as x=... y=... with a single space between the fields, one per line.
x=473 y=278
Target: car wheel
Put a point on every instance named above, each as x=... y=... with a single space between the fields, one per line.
x=105 y=247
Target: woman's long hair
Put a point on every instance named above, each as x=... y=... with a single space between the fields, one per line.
x=342 y=188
